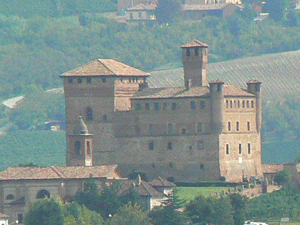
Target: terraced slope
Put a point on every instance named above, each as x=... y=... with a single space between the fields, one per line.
x=279 y=73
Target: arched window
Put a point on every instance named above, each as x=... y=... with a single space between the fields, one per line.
x=77 y=147
x=89 y=114
x=88 y=148
x=43 y=194
x=10 y=197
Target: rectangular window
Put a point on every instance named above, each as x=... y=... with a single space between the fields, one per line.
x=227 y=149
x=193 y=105
x=138 y=106
x=227 y=103
x=200 y=145
x=202 y=104
x=165 y=106
x=104 y=79
x=199 y=127
x=174 y=106
x=170 y=146
x=230 y=103
x=238 y=104
x=237 y=126
x=249 y=148
x=252 y=104
x=229 y=126
x=20 y=218
x=219 y=87
x=156 y=106
x=151 y=129
x=243 y=104
x=248 y=126
x=147 y=106
x=170 y=128
x=79 y=80
x=248 y=104
x=240 y=148
x=89 y=80
x=70 y=80
x=151 y=145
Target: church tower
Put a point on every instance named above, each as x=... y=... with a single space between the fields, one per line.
x=194 y=60
x=80 y=146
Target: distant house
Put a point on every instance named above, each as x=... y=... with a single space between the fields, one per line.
x=197 y=12
x=141 y=13
x=19 y=186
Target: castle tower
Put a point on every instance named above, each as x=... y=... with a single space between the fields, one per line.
x=194 y=60
x=253 y=86
x=216 y=98
x=80 y=146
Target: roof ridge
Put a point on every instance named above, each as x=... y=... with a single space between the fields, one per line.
x=59 y=173
x=143 y=183
x=99 y=60
x=161 y=179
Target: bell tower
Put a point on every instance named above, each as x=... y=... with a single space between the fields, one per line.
x=194 y=60
x=80 y=146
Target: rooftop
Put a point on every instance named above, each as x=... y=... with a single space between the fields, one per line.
x=105 y=67
x=143 y=7
x=195 y=43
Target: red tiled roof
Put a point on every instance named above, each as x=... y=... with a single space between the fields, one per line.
x=231 y=90
x=60 y=172
x=272 y=168
x=142 y=187
x=143 y=7
x=160 y=182
x=105 y=67
x=177 y=92
x=195 y=43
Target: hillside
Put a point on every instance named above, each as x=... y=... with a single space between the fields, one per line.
x=278 y=72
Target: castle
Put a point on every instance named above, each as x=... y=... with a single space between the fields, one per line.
x=203 y=131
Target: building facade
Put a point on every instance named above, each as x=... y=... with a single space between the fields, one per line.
x=203 y=131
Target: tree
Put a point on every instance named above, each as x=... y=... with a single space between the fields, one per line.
x=238 y=203
x=44 y=211
x=282 y=177
x=168 y=11
x=277 y=9
x=168 y=212
x=130 y=214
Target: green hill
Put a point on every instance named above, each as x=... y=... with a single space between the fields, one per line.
x=43 y=148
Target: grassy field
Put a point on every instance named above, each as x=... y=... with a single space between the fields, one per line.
x=190 y=193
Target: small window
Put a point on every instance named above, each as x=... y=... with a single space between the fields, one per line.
x=88 y=148
x=156 y=106
x=234 y=102
x=249 y=148
x=104 y=117
x=174 y=106
x=77 y=147
x=237 y=126
x=248 y=104
x=193 y=105
x=151 y=129
x=257 y=88
x=10 y=197
x=229 y=126
x=227 y=103
x=138 y=106
x=104 y=79
x=240 y=148
x=151 y=145
x=171 y=165
x=201 y=145
x=170 y=128
x=202 y=104
x=170 y=146
x=227 y=149
x=131 y=16
x=199 y=127
x=165 y=106
x=238 y=103
x=89 y=80
x=252 y=104
x=20 y=218
x=43 y=194
x=202 y=166
x=183 y=130
x=219 y=87
x=188 y=52
x=190 y=147
x=79 y=80
x=89 y=114
x=140 y=15
x=147 y=106
x=153 y=165
x=243 y=104
x=70 y=80
x=230 y=103
x=248 y=126
x=196 y=51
